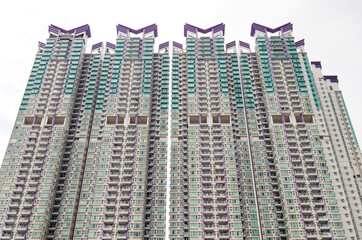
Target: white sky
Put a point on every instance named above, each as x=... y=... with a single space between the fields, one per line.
x=331 y=29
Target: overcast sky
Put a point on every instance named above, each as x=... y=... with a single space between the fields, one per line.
x=331 y=29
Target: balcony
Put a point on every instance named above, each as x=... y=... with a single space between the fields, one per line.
x=107 y=228
x=311 y=235
x=25 y=212
x=326 y=235
x=22 y=228
x=19 y=236
x=209 y=226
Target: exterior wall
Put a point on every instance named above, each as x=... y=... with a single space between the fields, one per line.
x=76 y=149
x=39 y=138
x=203 y=146
x=285 y=185
x=124 y=185
x=343 y=152
x=262 y=146
x=91 y=142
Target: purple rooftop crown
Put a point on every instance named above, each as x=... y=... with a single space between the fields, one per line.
x=230 y=44
x=299 y=43
x=85 y=28
x=216 y=28
x=261 y=28
x=41 y=44
x=317 y=64
x=111 y=45
x=97 y=45
x=163 y=45
x=148 y=29
x=332 y=78
x=176 y=44
x=244 y=44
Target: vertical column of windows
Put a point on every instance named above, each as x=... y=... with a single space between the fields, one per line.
x=156 y=185
x=325 y=139
x=66 y=203
x=311 y=80
x=53 y=135
x=262 y=151
x=95 y=208
x=179 y=156
x=253 y=221
x=239 y=130
x=224 y=143
x=192 y=195
x=19 y=157
x=288 y=190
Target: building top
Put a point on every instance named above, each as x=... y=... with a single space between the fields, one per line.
x=317 y=64
x=85 y=28
x=97 y=45
x=111 y=45
x=163 y=45
x=332 y=78
x=126 y=30
x=300 y=43
x=176 y=44
x=193 y=29
x=230 y=44
x=177 y=47
x=244 y=45
x=261 y=28
x=41 y=44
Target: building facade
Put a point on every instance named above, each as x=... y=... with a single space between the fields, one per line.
x=87 y=157
x=220 y=143
x=261 y=143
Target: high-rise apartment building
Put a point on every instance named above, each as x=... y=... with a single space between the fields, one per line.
x=261 y=143
x=87 y=156
x=247 y=145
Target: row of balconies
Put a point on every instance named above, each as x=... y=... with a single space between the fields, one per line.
x=216 y=172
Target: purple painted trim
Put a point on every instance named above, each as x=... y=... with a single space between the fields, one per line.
x=97 y=45
x=244 y=44
x=261 y=28
x=176 y=44
x=216 y=28
x=85 y=28
x=110 y=45
x=41 y=44
x=299 y=43
x=332 y=78
x=316 y=64
x=163 y=45
x=145 y=30
x=288 y=27
x=230 y=44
